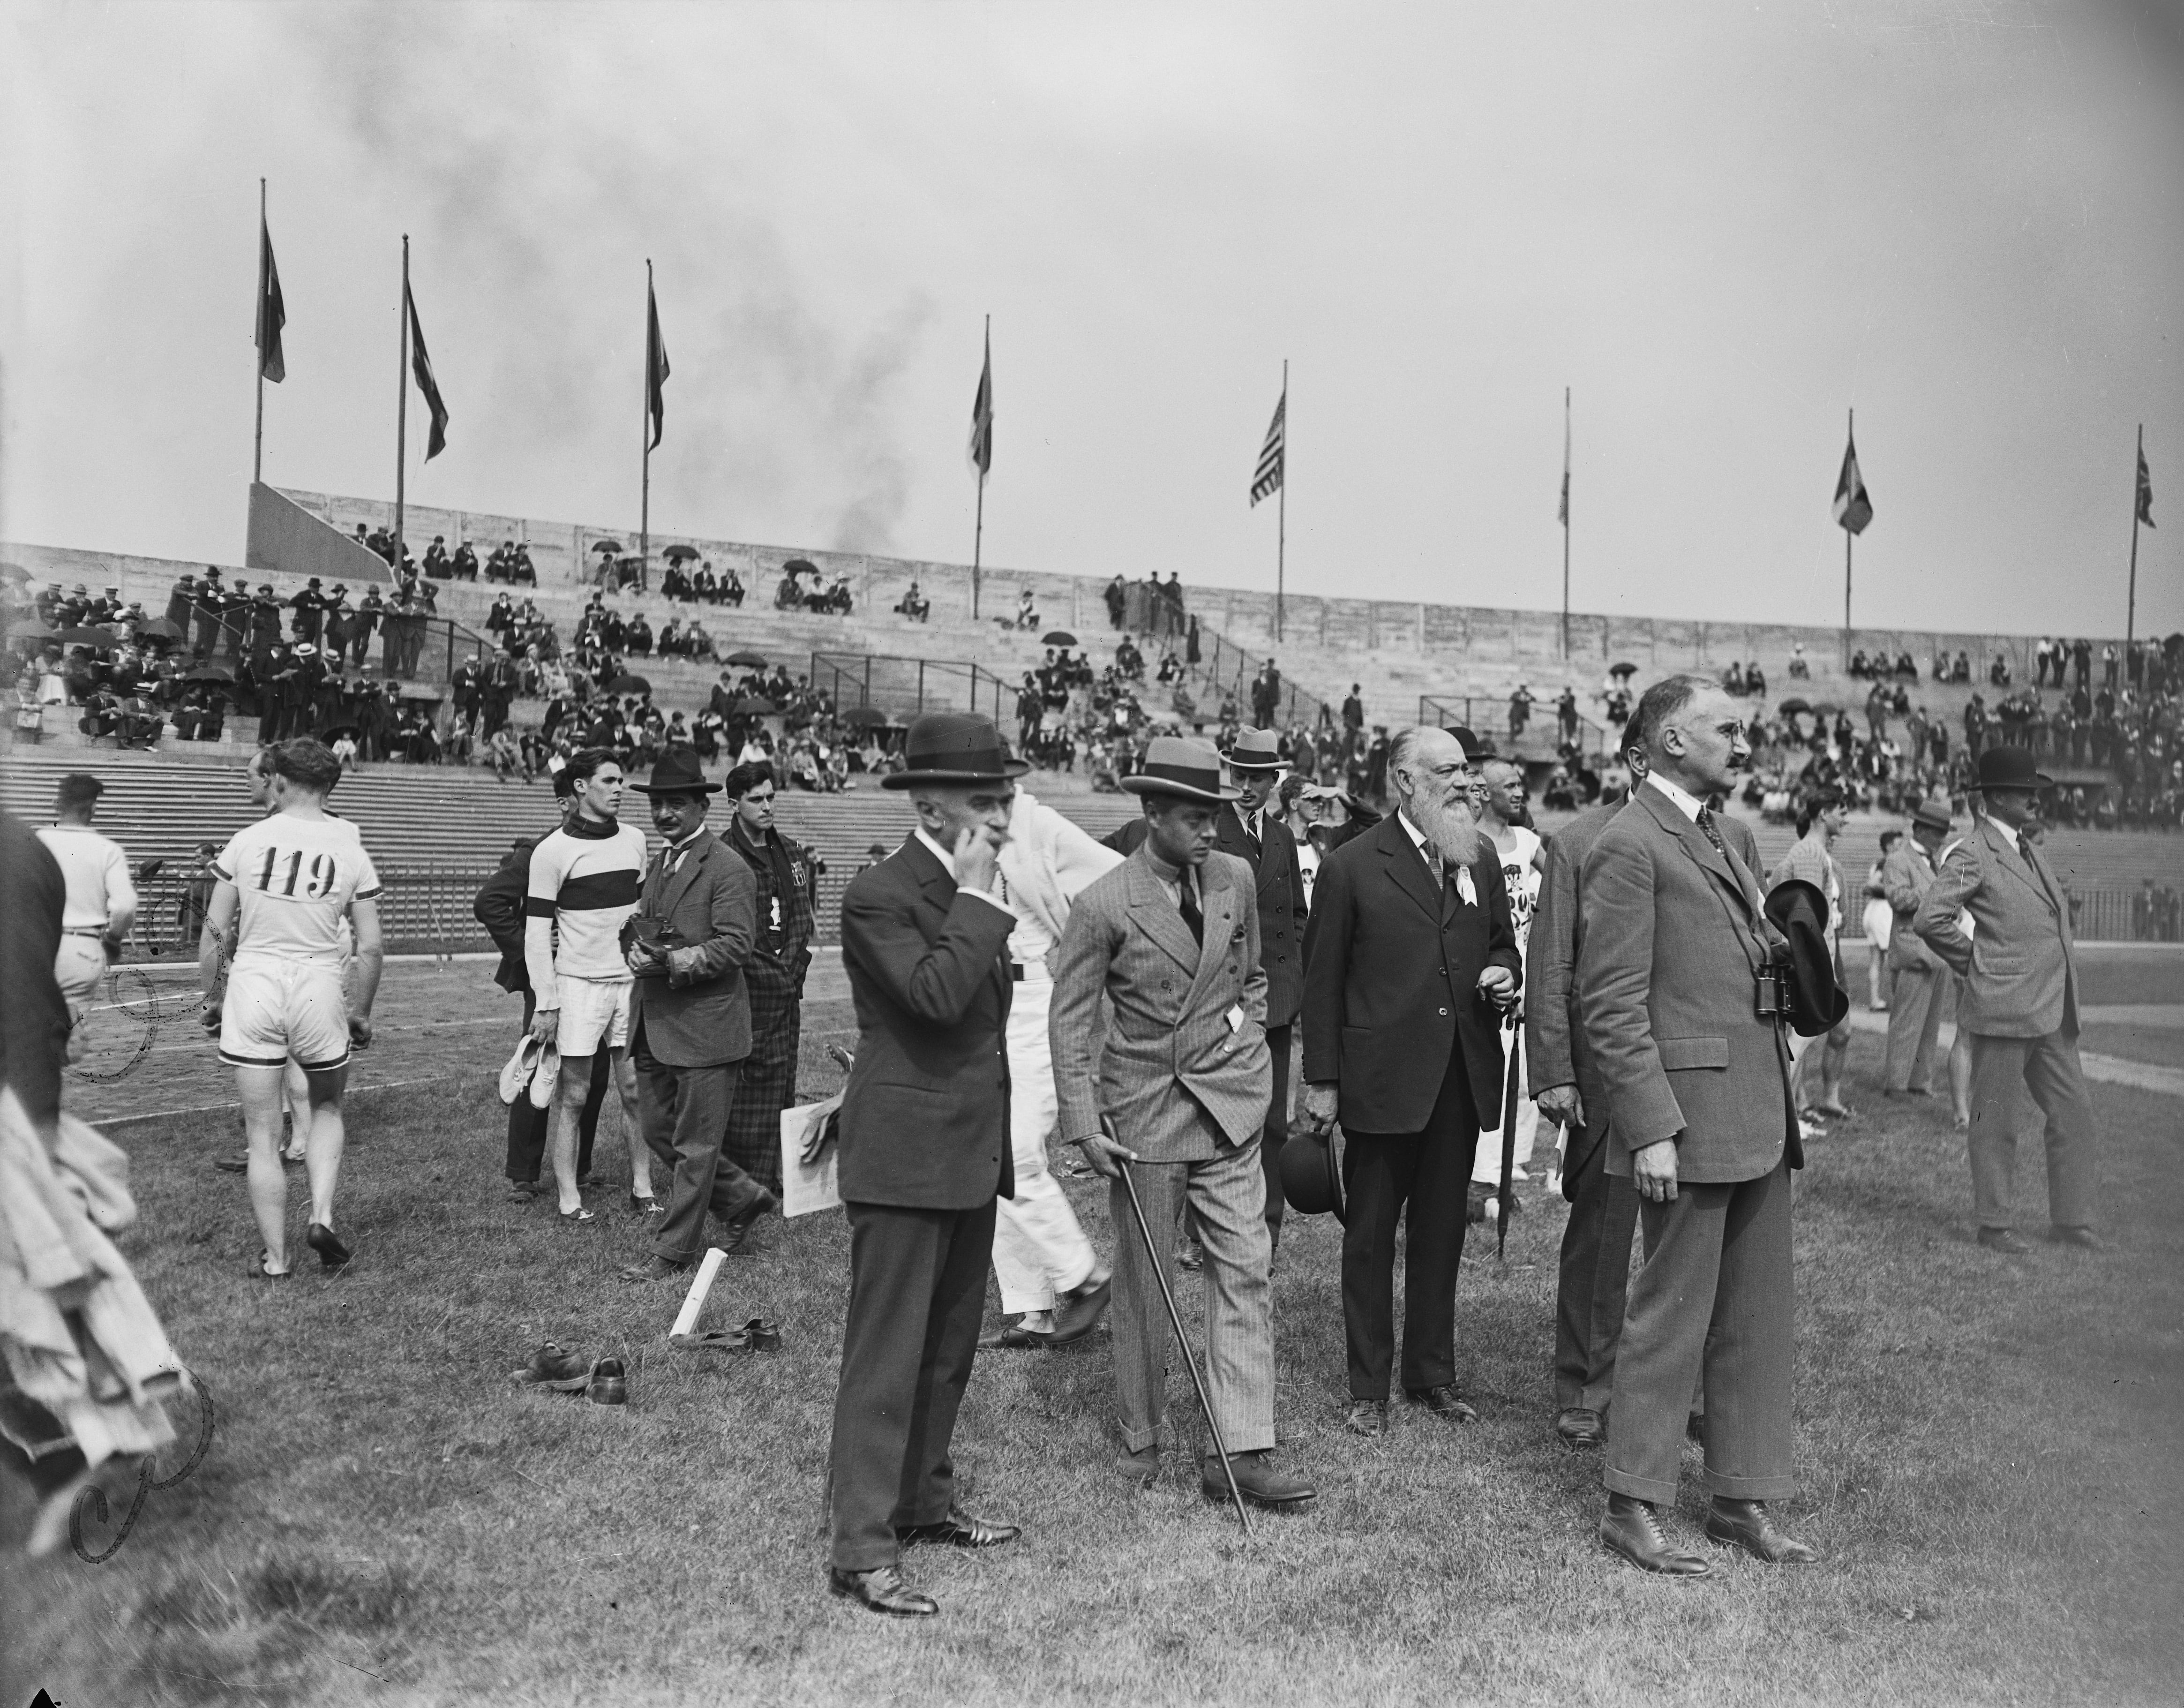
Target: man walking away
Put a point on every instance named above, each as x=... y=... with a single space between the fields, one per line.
x=1920 y=978
x=2018 y=1002
x=101 y=901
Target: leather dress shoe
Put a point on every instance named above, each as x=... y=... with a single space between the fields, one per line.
x=959 y=1529
x=1257 y=1481
x=1016 y=1338
x=1366 y=1417
x=881 y=1590
x=2084 y=1238
x=1444 y=1401
x=610 y=1387
x=1581 y=1426
x=653 y=1269
x=1077 y=1312
x=1631 y=1528
x=554 y=1366
x=740 y=1224
x=1749 y=1524
x=333 y=1255
x=2007 y=1240
x=1141 y=1467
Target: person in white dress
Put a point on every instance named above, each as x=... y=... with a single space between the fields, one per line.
x=1503 y=807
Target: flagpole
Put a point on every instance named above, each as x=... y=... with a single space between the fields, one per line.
x=1566 y=486
x=2131 y=607
x=1847 y=538
x=259 y=446
x=644 y=437
x=979 y=528
x=401 y=402
x=1282 y=506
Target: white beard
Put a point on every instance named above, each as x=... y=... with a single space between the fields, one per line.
x=1451 y=831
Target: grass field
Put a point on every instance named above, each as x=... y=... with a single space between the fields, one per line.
x=1988 y=1450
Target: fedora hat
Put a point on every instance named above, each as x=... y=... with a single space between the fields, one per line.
x=954 y=747
x=1817 y=1003
x=677 y=773
x=1189 y=770
x=2009 y=768
x=1932 y=814
x=1312 y=1181
x=1255 y=750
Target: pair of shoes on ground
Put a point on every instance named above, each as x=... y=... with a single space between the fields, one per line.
x=1631 y=1528
x=558 y=1370
x=1369 y=1417
x=333 y=1256
x=883 y=1590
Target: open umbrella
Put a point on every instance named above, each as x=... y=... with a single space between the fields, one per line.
x=158 y=628
x=801 y=565
x=751 y=660
x=1057 y=637
x=1622 y=670
x=13 y=571
x=678 y=554
x=754 y=705
x=1827 y=708
x=629 y=684
x=1791 y=707
x=609 y=546
x=30 y=628
x=865 y=717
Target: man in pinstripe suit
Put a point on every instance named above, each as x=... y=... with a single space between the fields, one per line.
x=1171 y=938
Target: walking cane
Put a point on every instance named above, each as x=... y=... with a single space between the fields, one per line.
x=1175 y=1317
x=1508 y=1135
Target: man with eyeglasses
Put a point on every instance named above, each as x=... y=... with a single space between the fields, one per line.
x=774 y=974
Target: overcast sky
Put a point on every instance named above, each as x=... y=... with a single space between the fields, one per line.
x=1721 y=225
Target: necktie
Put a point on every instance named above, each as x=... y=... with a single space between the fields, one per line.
x=1707 y=828
x=1191 y=916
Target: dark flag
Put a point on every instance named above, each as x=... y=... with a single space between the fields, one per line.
x=2145 y=490
x=656 y=365
x=421 y=365
x=1852 y=508
x=1267 y=479
x=1563 y=516
x=272 y=315
x=982 y=415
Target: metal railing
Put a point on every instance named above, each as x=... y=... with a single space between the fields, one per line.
x=904 y=687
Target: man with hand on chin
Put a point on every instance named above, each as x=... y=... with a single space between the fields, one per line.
x=1679 y=987
x=925 y=1153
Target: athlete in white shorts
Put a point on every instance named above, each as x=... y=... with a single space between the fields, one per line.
x=101 y=901
x=283 y=886
x=583 y=885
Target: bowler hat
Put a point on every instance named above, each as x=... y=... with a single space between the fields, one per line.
x=1255 y=750
x=2009 y=768
x=1311 y=1179
x=954 y=747
x=1932 y=814
x=1187 y=769
x=677 y=771
x=1817 y=1003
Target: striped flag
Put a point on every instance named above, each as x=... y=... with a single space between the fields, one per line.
x=982 y=415
x=655 y=362
x=1267 y=480
x=421 y=365
x=2145 y=489
x=1852 y=508
x=272 y=313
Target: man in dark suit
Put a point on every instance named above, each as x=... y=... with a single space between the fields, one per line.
x=689 y=1024
x=1257 y=836
x=1603 y=1213
x=1679 y=978
x=925 y=1151
x=1409 y=955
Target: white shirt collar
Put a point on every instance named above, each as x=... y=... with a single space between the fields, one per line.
x=947 y=859
x=1418 y=837
x=2008 y=834
x=1467 y=890
x=1682 y=798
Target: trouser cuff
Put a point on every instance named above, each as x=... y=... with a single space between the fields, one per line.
x=1651 y=1488
x=1138 y=1440
x=1749 y=1487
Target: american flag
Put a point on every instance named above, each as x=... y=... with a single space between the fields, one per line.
x=1268 y=480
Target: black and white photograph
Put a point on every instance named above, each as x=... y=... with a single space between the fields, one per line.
x=1347 y=868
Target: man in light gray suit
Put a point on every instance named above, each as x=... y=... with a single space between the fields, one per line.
x=1180 y=1064
x=1679 y=980
x=1920 y=978
x=2019 y=1002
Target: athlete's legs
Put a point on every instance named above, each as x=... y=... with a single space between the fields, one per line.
x=640 y=1153
x=260 y=1091
x=326 y=1134
x=296 y=1088
x=570 y=1091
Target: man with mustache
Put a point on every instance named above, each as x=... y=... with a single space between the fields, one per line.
x=1410 y=956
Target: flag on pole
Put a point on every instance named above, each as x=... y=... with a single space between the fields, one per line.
x=1562 y=516
x=1267 y=479
x=272 y=315
x=1852 y=508
x=982 y=415
x=655 y=365
x=420 y=366
x=2145 y=490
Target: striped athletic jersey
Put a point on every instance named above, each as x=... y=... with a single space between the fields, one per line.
x=586 y=885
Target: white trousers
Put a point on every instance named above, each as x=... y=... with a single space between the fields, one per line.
x=78 y=967
x=1487 y=1164
x=1038 y=1249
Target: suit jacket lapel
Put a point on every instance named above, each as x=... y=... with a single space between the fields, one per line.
x=2017 y=861
x=686 y=874
x=1158 y=916
x=936 y=895
x=1407 y=867
x=1219 y=901
x=1693 y=841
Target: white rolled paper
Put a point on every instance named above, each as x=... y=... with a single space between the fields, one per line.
x=694 y=1300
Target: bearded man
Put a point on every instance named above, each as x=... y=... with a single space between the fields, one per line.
x=1410 y=958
